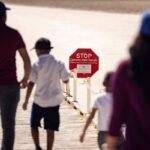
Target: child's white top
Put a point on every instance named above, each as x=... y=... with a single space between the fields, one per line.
x=46 y=74
x=104 y=105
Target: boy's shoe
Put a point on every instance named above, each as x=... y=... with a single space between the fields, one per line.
x=38 y=148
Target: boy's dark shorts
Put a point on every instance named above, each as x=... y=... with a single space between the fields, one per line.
x=49 y=114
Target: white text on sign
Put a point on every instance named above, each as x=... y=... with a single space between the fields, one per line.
x=83 y=55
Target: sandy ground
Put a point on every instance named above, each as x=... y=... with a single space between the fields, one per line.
x=121 y=6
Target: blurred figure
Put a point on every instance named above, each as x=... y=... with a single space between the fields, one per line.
x=103 y=104
x=10 y=42
x=131 y=94
x=46 y=73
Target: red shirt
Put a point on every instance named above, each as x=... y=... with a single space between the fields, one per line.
x=10 y=42
x=130 y=108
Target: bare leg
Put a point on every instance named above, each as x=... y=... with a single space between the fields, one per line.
x=35 y=136
x=50 y=139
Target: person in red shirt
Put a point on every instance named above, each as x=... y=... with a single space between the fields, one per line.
x=10 y=42
x=131 y=94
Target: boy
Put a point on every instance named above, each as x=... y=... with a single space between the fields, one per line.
x=46 y=74
x=104 y=106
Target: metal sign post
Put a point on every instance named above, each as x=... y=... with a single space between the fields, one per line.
x=88 y=95
x=75 y=85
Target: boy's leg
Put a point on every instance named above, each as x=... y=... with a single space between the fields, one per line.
x=51 y=124
x=101 y=138
x=50 y=139
x=36 y=116
x=35 y=136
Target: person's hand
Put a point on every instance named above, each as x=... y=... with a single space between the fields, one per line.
x=104 y=146
x=24 y=106
x=82 y=137
x=24 y=83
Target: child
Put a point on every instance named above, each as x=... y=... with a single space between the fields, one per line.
x=104 y=106
x=46 y=74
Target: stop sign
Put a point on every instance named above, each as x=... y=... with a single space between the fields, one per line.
x=84 y=61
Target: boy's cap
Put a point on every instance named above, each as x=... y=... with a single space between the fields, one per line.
x=145 y=23
x=3 y=8
x=43 y=43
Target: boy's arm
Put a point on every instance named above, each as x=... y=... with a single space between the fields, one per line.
x=88 y=121
x=64 y=74
x=28 y=93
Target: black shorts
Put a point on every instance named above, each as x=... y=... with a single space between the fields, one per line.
x=49 y=114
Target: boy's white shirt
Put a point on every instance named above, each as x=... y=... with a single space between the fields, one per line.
x=103 y=104
x=46 y=73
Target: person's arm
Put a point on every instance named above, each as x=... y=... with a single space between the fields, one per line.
x=29 y=90
x=27 y=66
x=111 y=142
x=64 y=75
x=88 y=121
x=120 y=106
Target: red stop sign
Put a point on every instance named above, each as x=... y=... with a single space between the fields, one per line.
x=84 y=61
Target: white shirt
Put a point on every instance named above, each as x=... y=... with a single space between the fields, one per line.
x=46 y=74
x=104 y=105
